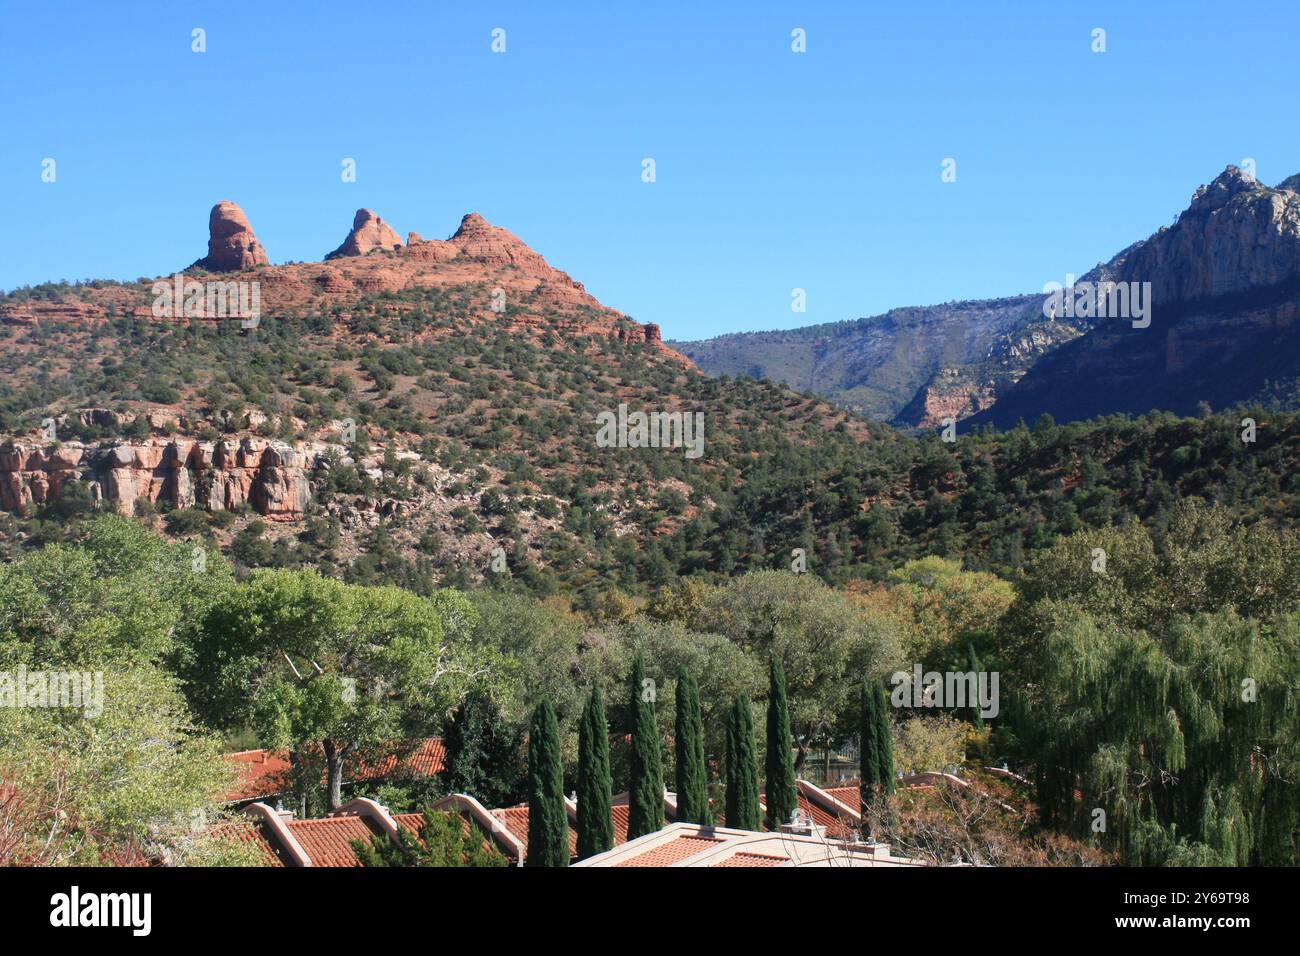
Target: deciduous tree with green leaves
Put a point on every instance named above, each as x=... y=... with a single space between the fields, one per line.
x=306 y=659
x=1161 y=710
x=823 y=639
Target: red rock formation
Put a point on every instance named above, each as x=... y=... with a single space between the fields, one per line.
x=479 y=239
x=271 y=477
x=231 y=243
x=479 y=256
x=369 y=232
x=941 y=402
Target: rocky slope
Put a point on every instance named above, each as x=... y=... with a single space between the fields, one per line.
x=913 y=366
x=494 y=276
x=402 y=412
x=1225 y=299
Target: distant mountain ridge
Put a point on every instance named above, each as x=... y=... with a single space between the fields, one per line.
x=1222 y=287
x=911 y=366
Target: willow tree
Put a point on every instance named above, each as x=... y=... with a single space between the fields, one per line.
x=688 y=743
x=646 y=789
x=595 y=825
x=742 y=809
x=1161 y=708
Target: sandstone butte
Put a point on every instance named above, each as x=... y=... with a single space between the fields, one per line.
x=231 y=243
x=373 y=259
x=273 y=478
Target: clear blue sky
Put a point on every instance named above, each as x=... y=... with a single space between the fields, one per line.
x=775 y=170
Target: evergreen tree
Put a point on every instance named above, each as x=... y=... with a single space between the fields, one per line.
x=646 y=789
x=782 y=795
x=548 y=820
x=595 y=825
x=692 y=774
x=973 y=665
x=876 y=747
x=444 y=841
x=742 y=768
x=483 y=754
x=884 y=741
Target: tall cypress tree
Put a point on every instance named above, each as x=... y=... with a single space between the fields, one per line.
x=973 y=666
x=742 y=768
x=868 y=767
x=595 y=827
x=876 y=747
x=548 y=820
x=782 y=796
x=645 y=813
x=884 y=740
x=692 y=775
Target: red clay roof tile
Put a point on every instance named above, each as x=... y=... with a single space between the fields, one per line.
x=752 y=859
x=264 y=773
x=516 y=821
x=251 y=833
x=674 y=851
x=327 y=841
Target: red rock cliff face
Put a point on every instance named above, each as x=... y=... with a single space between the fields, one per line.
x=1236 y=235
x=273 y=478
x=1223 y=321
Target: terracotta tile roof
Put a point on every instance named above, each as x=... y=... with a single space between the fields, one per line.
x=516 y=821
x=846 y=793
x=620 y=815
x=264 y=773
x=425 y=760
x=674 y=851
x=328 y=840
x=837 y=828
x=250 y=833
x=412 y=822
x=693 y=845
x=753 y=859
